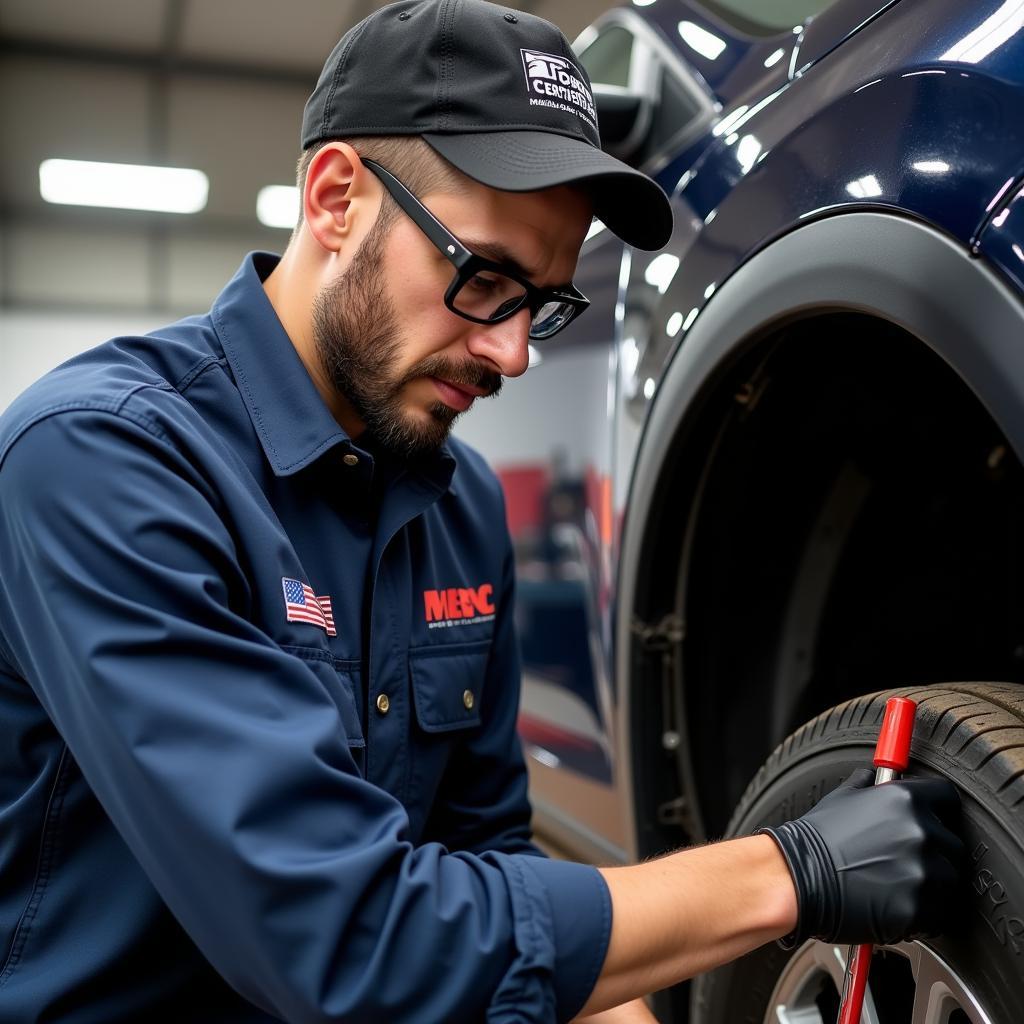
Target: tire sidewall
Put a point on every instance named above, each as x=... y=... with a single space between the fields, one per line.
x=985 y=945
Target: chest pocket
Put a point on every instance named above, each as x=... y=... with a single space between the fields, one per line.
x=339 y=679
x=447 y=682
x=447 y=685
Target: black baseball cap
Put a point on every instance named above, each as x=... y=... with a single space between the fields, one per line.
x=497 y=92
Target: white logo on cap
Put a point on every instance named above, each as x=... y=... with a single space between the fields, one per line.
x=554 y=81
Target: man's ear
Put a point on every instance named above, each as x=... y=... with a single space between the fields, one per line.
x=340 y=198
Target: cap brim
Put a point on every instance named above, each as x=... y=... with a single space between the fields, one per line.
x=629 y=203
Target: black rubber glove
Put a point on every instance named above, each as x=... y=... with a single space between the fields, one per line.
x=873 y=863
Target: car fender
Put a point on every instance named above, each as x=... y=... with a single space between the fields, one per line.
x=889 y=266
x=805 y=160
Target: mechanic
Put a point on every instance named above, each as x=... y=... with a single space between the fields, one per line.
x=258 y=667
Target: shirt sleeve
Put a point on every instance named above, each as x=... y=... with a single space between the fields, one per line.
x=221 y=761
x=483 y=805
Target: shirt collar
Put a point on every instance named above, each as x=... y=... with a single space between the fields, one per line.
x=292 y=421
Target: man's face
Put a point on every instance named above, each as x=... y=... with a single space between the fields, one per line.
x=405 y=364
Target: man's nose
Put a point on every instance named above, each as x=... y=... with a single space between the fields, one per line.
x=506 y=345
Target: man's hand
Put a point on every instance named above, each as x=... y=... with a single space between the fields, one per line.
x=874 y=863
x=635 y=1012
x=693 y=911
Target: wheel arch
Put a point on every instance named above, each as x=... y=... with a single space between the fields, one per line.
x=882 y=265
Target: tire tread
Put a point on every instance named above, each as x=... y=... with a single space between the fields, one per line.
x=996 y=761
x=971 y=733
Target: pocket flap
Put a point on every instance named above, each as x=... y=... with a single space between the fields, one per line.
x=447 y=684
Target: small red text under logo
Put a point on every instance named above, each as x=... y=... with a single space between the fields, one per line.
x=458 y=606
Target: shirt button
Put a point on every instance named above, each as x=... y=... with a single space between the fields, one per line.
x=350 y=459
x=383 y=704
x=467 y=699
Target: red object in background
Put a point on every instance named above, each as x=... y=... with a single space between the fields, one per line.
x=525 y=489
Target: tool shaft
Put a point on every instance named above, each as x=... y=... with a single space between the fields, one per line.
x=892 y=755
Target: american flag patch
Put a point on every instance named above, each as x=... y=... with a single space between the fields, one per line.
x=302 y=605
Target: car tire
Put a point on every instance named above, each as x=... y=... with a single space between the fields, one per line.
x=971 y=733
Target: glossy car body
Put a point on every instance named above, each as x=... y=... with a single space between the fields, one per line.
x=777 y=464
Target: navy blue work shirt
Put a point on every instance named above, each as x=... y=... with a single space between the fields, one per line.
x=258 y=751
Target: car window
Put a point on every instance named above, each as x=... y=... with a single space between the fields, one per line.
x=614 y=55
x=676 y=109
x=768 y=15
x=608 y=57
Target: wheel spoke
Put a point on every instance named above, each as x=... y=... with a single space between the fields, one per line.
x=798 y=1015
x=938 y=990
x=869 y=1013
x=932 y=1001
x=832 y=960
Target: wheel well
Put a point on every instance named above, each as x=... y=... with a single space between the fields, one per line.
x=839 y=515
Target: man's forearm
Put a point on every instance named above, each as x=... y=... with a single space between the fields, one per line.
x=635 y=1012
x=691 y=911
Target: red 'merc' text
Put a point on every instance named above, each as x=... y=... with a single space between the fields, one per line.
x=458 y=602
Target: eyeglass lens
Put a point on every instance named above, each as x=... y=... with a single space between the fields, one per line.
x=488 y=295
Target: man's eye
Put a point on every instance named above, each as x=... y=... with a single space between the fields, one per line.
x=484 y=283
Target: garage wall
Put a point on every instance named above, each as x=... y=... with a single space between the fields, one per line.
x=33 y=343
x=188 y=83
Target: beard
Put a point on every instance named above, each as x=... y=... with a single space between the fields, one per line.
x=359 y=344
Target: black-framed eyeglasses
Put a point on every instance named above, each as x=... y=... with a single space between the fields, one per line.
x=482 y=290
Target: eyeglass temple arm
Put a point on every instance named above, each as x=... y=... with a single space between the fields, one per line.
x=445 y=241
x=424 y=219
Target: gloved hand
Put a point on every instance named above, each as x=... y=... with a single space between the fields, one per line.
x=873 y=863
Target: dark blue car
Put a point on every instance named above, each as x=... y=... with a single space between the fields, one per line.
x=774 y=474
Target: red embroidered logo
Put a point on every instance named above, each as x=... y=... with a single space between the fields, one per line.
x=458 y=606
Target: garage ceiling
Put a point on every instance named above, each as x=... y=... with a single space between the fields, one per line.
x=214 y=84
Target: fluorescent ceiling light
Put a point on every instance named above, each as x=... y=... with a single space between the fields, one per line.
x=774 y=58
x=630 y=356
x=864 y=188
x=729 y=120
x=747 y=152
x=932 y=166
x=277 y=206
x=661 y=270
x=874 y=81
x=737 y=118
x=706 y=43
x=123 y=186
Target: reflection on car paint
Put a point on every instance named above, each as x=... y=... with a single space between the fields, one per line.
x=907 y=107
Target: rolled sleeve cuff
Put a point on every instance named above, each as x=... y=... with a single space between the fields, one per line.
x=562 y=915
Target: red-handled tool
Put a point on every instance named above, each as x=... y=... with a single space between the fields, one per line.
x=892 y=755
